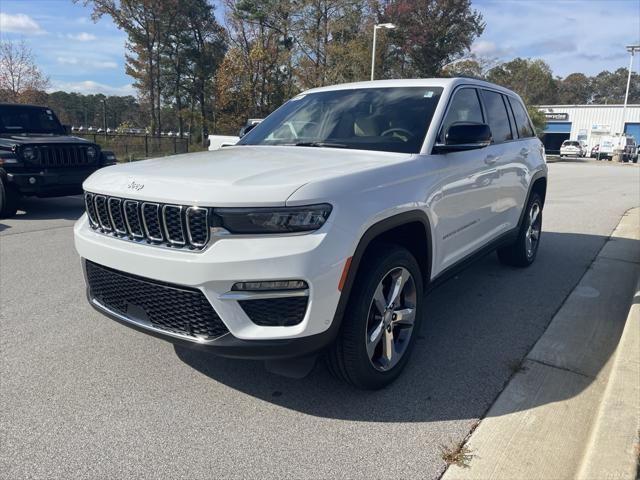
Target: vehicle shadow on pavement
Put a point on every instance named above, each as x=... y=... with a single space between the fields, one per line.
x=59 y=208
x=478 y=328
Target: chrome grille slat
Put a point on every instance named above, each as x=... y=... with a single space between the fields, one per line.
x=173 y=224
x=132 y=218
x=116 y=216
x=102 y=213
x=197 y=220
x=151 y=221
x=91 y=209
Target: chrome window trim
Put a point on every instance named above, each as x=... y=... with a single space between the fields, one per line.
x=113 y=223
x=166 y=230
x=126 y=218
x=207 y=228
x=95 y=201
x=144 y=221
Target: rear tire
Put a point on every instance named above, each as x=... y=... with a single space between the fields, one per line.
x=9 y=200
x=523 y=251
x=379 y=327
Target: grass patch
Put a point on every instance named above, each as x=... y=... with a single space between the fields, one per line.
x=456 y=454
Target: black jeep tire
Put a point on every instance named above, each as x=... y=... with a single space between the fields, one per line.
x=523 y=251
x=355 y=357
x=9 y=200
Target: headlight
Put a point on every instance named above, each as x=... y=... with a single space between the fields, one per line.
x=91 y=153
x=273 y=220
x=30 y=153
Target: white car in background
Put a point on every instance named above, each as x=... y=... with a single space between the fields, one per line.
x=322 y=229
x=571 y=148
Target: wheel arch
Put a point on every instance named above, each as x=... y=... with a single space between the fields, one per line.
x=538 y=185
x=414 y=229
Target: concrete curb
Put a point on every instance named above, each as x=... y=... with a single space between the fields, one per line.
x=572 y=409
x=618 y=421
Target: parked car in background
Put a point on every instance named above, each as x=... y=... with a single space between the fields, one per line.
x=622 y=145
x=571 y=148
x=322 y=228
x=39 y=158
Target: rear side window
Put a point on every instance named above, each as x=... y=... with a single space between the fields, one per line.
x=498 y=118
x=464 y=107
x=522 y=119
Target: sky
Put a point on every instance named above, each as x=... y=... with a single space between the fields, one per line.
x=585 y=36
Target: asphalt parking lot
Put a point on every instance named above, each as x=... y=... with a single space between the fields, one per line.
x=82 y=396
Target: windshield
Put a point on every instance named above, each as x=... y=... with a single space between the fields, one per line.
x=382 y=119
x=24 y=119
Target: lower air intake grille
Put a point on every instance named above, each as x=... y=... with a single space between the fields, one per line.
x=172 y=308
x=275 y=312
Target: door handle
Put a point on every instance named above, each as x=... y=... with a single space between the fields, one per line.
x=491 y=159
x=524 y=152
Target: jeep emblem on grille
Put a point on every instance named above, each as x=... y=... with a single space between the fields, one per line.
x=135 y=186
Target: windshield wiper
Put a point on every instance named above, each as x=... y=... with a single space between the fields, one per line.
x=318 y=144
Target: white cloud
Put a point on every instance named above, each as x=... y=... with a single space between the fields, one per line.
x=82 y=37
x=19 y=23
x=91 y=87
x=99 y=64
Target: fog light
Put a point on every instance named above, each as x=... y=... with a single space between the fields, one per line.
x=32 y=180
x=271 y=285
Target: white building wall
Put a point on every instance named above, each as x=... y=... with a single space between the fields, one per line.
x=594 y=121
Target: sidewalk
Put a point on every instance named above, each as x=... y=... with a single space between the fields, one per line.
x=573 y=408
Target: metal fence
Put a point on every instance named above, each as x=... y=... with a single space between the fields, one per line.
x=129 y=148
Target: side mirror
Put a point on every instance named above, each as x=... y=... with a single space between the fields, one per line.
x=246 y=129
x=465 y=136
x=67 y=129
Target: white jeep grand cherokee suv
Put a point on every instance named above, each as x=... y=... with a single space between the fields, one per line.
x=323 y=228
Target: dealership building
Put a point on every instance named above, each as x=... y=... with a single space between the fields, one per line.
x=588 y=123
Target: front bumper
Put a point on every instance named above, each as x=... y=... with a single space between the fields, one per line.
x=317 y=258
x=50 y=183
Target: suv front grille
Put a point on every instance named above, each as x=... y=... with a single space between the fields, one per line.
x=172 y=308
x=174 y=226
x=52 y=156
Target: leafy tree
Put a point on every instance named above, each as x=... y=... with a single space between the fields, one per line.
x=430 y=33
x=531 y=79
x=575 y=89
x=21 y=80
x=538 y=119
x=610 y=87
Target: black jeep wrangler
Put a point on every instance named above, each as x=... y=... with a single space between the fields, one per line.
x=39 y=158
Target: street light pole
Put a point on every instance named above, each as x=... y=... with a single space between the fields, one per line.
x=104 y=118
x=389 y=26
x=631 y=49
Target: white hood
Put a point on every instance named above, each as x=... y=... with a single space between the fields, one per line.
x=233 y=176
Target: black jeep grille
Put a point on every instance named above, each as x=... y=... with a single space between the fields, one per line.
x=54 y=156
x=174 y=226
x=172 y=308
x=273 y=312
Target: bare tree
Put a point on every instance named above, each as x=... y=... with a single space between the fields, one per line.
x=20 y=77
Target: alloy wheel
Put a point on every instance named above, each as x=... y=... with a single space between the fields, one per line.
x=532 y=236
x=391 y=319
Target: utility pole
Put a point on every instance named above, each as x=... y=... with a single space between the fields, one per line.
x=104 y=117
x=631 y=49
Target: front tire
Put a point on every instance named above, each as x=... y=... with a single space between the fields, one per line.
x=523 y=251
x=381 y=321
x=9 y=200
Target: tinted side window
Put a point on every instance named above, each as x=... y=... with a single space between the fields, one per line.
x=464 y=107
x=522 y=120
x=497 y=116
